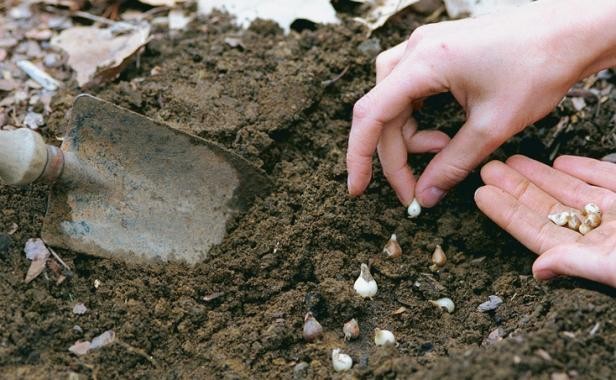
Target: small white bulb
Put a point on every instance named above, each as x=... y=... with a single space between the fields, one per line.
x=383 y=337
x=340 y=361
x=414 y=209
x=593 y=220
x=575 y=220
x=365 y=285
x=560 y=218
x=444 y=303
x=592 y=208
x=584 y=228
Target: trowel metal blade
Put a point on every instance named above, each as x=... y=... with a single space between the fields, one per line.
x=136 y=189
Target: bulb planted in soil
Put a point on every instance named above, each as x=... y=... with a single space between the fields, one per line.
x=351 y=329
x=312 y=328
x=392 y=249
x=365 y=285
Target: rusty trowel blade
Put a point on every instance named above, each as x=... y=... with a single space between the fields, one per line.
x=139 y=190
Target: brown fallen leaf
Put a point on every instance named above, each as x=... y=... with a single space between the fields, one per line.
x=99 y=54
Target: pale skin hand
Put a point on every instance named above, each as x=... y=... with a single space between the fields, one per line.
x=507 y=71
x=520 y=194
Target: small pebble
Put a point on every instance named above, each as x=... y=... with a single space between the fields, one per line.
x=5 y=244
x=79 y=309
x=492 y=303
x=300 y=371
x=371 y=47
x=52 y=60
x=33 y=120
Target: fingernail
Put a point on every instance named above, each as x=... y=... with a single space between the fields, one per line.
x=431 y=196
x=543 y=274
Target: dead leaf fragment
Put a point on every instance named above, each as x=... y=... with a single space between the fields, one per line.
x=100 y=54
x=460 y=8
x=382 y=11
x=317 y=11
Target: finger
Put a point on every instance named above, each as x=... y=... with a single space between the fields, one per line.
x=387 y=60
x=393 y=156
x=535 y=231
x=579 y=261
x=595 y=172
x=371 y=113
x=423 y=141
x=475 y=140
x=567 y=189
x=504 y=177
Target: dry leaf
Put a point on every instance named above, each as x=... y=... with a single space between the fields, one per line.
x=458 y=8
x=317 y=11
x=98 y=54
x=383 y=10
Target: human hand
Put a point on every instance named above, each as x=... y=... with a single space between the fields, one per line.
x=507 y=71
x=519 y=196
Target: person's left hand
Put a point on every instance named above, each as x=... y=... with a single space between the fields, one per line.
x=519 y=196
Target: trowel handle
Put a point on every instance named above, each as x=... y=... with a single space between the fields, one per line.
x=25 y=158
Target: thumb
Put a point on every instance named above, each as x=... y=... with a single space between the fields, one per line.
x=480 y=136
x=577 y=261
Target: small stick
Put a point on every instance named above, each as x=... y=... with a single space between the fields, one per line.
x=57 y=257
x=138 y=351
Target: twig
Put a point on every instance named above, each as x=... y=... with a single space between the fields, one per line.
x=57 y=257
x=329 y=82
x=138 y=351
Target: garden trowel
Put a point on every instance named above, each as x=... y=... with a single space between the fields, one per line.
x=126 y=186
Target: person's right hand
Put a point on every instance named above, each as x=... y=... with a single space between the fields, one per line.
x=506 y=70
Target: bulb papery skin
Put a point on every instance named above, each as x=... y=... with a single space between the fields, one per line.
x=351 y=329
x=445 y=303
x=392 y=249
x=592 y=208
x=365 y=285
x=414 y=209
x=384 y=337
x=341 y=362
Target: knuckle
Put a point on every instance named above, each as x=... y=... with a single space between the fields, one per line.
x=454 y=173
x=383 y=61
x=390 y=173
x=363 y=106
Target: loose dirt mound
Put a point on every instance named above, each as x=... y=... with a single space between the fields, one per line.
x=275 y=100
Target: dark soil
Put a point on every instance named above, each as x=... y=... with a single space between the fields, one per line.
x=273 y=101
